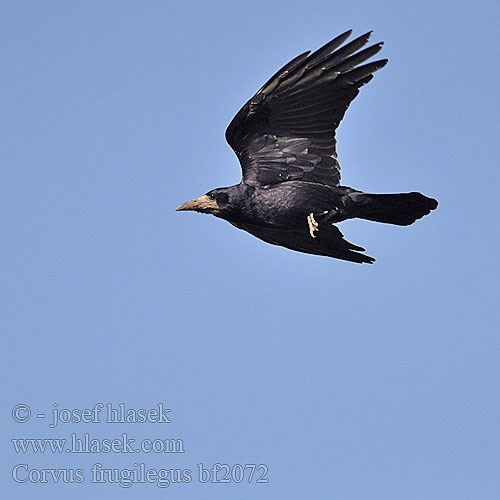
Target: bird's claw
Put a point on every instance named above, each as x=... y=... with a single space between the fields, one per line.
x=313 y=225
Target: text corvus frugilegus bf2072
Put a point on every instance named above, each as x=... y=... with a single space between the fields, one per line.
x=284 y=138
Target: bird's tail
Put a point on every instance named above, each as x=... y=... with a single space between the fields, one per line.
x=402 y=209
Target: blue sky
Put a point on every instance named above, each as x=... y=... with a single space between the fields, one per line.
x=347 y=381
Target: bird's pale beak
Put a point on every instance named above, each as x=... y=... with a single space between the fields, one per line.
x=202 y=204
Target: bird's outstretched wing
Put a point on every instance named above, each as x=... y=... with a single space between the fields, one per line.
x=287 y=130
x=329 y=241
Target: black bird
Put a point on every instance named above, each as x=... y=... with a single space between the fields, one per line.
x=284 y=137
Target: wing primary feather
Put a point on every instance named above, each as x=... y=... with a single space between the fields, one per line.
x=358 y=74
x=323 y=52
x=271 y=84
x=352 y=61
x=348 y=49
x=295 y=73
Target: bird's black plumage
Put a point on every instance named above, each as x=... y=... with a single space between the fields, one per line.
x=284 y=137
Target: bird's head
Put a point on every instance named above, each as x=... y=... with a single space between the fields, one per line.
x=215 y=202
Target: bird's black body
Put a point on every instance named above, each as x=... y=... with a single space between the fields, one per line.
x=284 y=138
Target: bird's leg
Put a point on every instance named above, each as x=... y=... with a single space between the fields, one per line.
x=313 y=225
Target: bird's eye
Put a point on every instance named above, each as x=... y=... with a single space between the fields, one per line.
x=212 y=195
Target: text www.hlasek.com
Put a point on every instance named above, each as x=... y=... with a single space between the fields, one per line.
x=86 y=444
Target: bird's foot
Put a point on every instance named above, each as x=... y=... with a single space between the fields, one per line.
x=313 y=225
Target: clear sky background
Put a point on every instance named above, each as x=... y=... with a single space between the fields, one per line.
x=348 y=381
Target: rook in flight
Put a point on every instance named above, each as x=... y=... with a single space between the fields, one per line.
x=284 y=138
